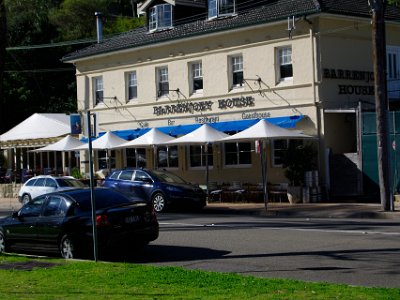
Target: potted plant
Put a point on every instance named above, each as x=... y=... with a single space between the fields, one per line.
x=297 y=159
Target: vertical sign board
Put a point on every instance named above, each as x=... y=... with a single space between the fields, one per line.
x=75 y=121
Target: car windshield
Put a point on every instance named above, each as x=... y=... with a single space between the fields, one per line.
x=66 y=182
x=167 y=177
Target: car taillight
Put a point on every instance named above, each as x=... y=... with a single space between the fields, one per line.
x=102 y=221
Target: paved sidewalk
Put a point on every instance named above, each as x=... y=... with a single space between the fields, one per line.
x=302 y=210
x=308 y=210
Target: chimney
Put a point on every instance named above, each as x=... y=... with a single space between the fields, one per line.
x=99 y=25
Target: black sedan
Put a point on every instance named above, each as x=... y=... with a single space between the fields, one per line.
x=61 y=223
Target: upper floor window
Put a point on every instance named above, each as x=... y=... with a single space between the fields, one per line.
x=132 y=85
x=220 y=8
x=237 y=70
x=160 y=17
x=285 y=67
x=162 y=82
x=98 y=89
x=196 y=76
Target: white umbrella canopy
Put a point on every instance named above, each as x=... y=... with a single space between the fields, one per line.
x=68 y=143
x=107 y=141
x=153 y=137
x=263 y=130
x=203 y=135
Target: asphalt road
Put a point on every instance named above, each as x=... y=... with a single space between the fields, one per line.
x=355 y=252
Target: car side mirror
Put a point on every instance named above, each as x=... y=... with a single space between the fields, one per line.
x=15 y=215
x=146 y=180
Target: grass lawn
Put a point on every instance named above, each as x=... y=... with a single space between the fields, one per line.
x=47 y=278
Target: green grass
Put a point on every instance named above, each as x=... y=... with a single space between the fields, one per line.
x=103 y=280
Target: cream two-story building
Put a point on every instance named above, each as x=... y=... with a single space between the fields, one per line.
x=303 y=65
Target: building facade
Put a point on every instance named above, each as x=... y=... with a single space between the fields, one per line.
x=306 y=65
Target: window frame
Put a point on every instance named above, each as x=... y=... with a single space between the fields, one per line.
x=131 y=83
x=168 y=150
x=238 y=154
x=216 y=6
x=275 y=150
x=159 y=17
x=137 y=152
x=236 y=71
x=202 y=154
x=283 y=63
x=98 y=90
x=196 y=75
x=162 y=82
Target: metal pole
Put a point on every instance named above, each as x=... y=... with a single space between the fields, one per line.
x=92 y=197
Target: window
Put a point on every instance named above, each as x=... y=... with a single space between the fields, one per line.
x=220 y=8
x=196 y=70
x=278 y=149
x=162 y=79
x=197 y=156
x=142 y=176
x=285 y=68
x=106 y=160
x=136 y=157
x=393 y=71
x=132 y=85
x=237 y=154
x=237 y=71
x=55 y=207
x=160 y=17
x=98 y=90
x=167 y=157
x=32 y=208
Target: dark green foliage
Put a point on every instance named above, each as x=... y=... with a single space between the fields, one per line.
x=298 y=159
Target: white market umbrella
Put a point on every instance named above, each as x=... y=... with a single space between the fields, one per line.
x=203 y=135
x=152 y=138
x=106 y=142
x=68 y=143
x=264 y=130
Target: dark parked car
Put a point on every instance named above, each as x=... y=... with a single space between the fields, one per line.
x=61 y=222
x=162 y=188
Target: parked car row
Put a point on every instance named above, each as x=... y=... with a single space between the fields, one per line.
x=56 y=216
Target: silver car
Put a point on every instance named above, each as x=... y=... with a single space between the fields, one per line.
x=44 y=184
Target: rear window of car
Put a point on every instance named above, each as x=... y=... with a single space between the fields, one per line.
x=40 y=182
x=167 y=177
x=103 y=198
x=65 y=182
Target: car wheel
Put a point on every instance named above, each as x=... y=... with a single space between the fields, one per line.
x=67 y=248
x=26 y=198
x=159 y=202
x=2 y=242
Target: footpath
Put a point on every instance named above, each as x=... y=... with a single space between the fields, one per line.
x=281 y=210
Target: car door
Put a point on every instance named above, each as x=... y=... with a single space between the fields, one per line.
x=50 y=185
x=21 y=231
x=124 y=182
x=38 y=188
x=143 y=184
x=49 y=225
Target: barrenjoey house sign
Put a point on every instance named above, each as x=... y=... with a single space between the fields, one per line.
x=203 y=106
x=352 y=75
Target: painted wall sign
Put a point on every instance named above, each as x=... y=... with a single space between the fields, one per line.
x=365 y=76
x=202 y=106
x=344 y=89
